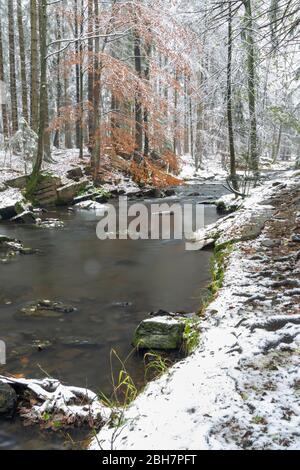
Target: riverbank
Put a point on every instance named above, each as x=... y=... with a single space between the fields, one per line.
x=240 y=388
x=68 y=180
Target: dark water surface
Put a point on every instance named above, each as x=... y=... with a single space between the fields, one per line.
x=95 y=277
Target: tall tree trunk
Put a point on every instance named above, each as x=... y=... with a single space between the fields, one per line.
x=96 y=98
x=67 y=126
x=12 y=67
x=191 y=127
x=56 y=140
x=3 y=91
x=47 y=143
x=146 y=111
x=34 y=97
x=199 y=127
x=22 y=61
x=186 y=117
x=229 y=102
x=175 y=137
x=81 y=83
x=77 y=74
x=43 y=87
x=91 y=119
x=137 y=104
x=254 y=160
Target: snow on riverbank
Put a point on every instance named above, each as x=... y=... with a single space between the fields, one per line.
x=188 y=171
x=12 y=166
x=240 y=388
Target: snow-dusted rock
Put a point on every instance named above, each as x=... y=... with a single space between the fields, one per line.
x=228 y=203
x=159 y=333
x=26 y=217
x=70 y=405
x=67 y=193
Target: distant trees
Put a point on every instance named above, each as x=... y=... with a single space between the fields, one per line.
x=150 y=80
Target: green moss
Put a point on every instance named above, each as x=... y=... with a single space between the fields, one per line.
x=95 y=192
x=33 y=181
x=218 y=266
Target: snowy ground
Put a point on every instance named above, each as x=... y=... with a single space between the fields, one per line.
x=241 y=387
x=12 y=165
x=214 y=168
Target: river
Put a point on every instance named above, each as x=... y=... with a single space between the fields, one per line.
x=113 y=284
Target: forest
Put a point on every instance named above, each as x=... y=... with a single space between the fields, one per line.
x=165 y=104
x=156 y=80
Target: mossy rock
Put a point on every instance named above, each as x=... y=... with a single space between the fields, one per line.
x=162 y=333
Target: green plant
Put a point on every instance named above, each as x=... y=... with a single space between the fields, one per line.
x=259 y=420
x=95 y=192
x=155 y=364
x=46 y=416
x=218 y=265
x=191 y=336
x=124 y=388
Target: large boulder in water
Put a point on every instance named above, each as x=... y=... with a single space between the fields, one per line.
x=26 y=217
x=8 y=401
x=161 y=332
x=67 y=193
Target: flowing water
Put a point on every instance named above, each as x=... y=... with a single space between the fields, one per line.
x=113 y=284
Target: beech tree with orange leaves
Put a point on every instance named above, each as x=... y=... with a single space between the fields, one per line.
x=124 y=55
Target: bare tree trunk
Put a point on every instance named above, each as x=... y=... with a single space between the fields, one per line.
x=91 y=119
x=77 y=74
x=199 y=128
x=34 y=97
x=67 y=126
x=254 y=159
x=191 y=127
x=12 y=67
x=138 y=105
x=96 y=98
x=175 y=140
x=81 y=84
x=229 y=103
x=276 y=145
x=146 y=111
x=22 y=61
x=43 y=87
x=2 y=79
x=186 y=117
x=56 y=140
x=47 y=144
